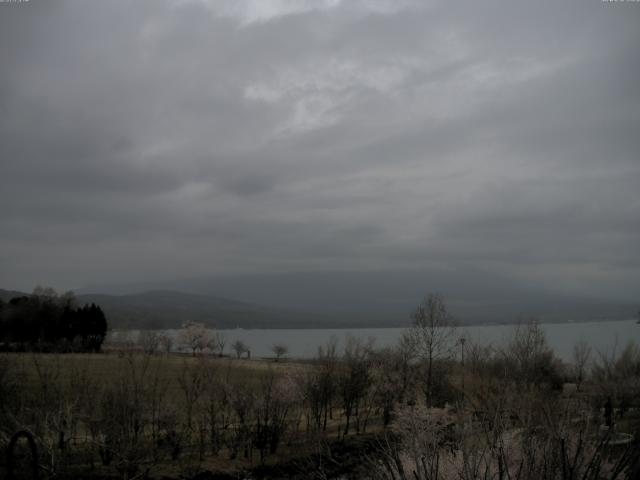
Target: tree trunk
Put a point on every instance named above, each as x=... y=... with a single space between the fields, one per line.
x=429 y=379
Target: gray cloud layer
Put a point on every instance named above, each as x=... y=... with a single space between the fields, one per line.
x=171 y=138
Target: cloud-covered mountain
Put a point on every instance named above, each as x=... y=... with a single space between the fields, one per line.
x=388 y=297
x=160 y=309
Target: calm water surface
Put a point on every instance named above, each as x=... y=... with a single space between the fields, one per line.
x=303 y=343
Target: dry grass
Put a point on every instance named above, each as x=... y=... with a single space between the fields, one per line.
x=103 y=366
x=56 y=373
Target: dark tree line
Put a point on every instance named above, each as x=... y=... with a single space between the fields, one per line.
x=46 y=321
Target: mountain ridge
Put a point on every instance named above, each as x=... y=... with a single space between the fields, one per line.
x=388 y=297
x=339 y=300
x=162 y=309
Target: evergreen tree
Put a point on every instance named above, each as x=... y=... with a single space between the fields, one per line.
x=46 y=320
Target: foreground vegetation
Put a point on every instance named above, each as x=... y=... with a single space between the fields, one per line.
x=433 y=407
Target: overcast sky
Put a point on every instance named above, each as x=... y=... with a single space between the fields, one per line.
x=158 y=139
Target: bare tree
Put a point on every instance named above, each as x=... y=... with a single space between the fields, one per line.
x=279 y=350
x=581 y=356
x=215 y=412
x=166 y=342
x=528 y=358
x=414 y=449
x=354 y=380
x=194 y=336
x=404 y=355
x=433 y=335
x=217 y=343
x=394 y=377
x=118 y=429
x=149 y=341
x=242 y=399
x=191 y=383
x=239 y=347
x=275 y=399
x=319 y=386
x=617 y=375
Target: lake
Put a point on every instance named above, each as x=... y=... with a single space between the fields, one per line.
x=303 y=343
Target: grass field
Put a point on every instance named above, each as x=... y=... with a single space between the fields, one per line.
x=104 y=367
x=179 y=395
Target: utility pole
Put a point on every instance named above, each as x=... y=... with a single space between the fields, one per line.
x=462 y=342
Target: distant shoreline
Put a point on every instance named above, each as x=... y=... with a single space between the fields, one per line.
x=370 y=327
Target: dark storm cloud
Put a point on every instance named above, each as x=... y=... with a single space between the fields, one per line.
x=160 y=139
